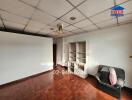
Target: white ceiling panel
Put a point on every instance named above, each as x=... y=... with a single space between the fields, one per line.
x=120 y=1
x=70 y=28
x=65 y=33
x=91 y=7
x=47 y=29
x=14 y=18
x=43 y=17
x=12 y=25
x=83 y=23
x=90 y=28
x=78 y=31
x=42 y=32
x=102 y=17
x=54 y=24
x=31 y=2
x=49 y=13
x=76 y=2
x=73 y=13
x=55 y=7
x=34 y=26
x=128 y=7
x=125 y=18
x=108 y=23
x=16 y=7
x=56 y=34
x=1 y=25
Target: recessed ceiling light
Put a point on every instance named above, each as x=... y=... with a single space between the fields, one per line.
x=51 y=28
x=72 y=18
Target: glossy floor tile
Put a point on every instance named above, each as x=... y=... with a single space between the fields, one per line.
x=57 y=85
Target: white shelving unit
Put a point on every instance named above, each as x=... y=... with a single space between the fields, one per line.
x=72 y=57
x=77 y=58
x=81 y=52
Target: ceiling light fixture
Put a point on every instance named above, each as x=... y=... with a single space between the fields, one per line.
x=60 y=28
x=51 y=28
x=72 y=18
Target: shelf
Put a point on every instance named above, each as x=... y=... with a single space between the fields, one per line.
x=80 y=58
x=72 y=57
x=77 y=53
x=72 y=52
x=81 y=67
x=81 y=52
x=72 y=61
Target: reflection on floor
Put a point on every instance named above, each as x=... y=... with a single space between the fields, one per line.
x=57 y=85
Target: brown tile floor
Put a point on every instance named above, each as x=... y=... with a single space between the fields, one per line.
x=53 y=86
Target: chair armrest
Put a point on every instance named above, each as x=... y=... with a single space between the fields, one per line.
x=120 y=82
x=97 y=75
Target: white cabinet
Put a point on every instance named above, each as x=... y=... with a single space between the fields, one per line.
x=77 y=58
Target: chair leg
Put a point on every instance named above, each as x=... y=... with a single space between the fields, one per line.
x=120 y=94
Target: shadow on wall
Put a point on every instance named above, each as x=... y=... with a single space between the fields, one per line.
x=92 y=66
x=92 y=70
x=128 y=74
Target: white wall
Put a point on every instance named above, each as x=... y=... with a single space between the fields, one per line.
x=59 y=43
x=23 y=55
x=111 y=47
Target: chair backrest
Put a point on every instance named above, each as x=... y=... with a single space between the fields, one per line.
x=119 y=72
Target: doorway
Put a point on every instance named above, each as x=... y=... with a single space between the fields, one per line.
x=54 y=54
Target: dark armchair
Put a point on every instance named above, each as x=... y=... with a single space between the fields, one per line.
x=103 y=80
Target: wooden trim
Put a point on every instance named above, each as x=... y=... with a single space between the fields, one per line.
x=128 y=89
x=62 y=66
x=22 y=32
x=23 y=79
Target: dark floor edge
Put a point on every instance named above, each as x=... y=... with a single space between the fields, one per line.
x=65 y=67
x=23 y=79
x=128 y=88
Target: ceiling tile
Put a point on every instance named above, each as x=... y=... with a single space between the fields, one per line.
x=91 y=7
x=76 y=2
x=31 y=2
x=54 y=24
x=34 y=27
x=16 y=7
x=56 y=34
x=90 y=28
x=12 y=25
x=120 y=1
x=83 y=23
x=77 y=31
x=47 y=29
x=70 y=28
x=73 y=13
x=125 y=18
x=65 y=33
x=1 y=25
x=43 y=17
x=108 y=23
x=13 y=18
x=42 y=32
x=102 y=17
x=55 y=7
x=127 y=6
